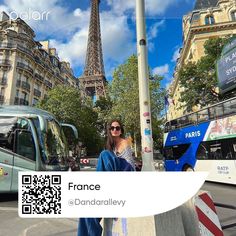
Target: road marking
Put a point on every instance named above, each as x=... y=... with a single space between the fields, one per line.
x=24 y=233
x=8 y=208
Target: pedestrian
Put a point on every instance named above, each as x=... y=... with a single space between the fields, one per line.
x=116 y=157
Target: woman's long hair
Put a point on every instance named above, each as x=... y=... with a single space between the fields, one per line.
x=110 y=144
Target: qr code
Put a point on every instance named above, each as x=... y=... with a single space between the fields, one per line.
x=41 y=194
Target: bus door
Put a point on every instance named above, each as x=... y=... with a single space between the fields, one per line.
x=24 y=150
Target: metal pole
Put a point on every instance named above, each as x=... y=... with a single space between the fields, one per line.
x=144 y=96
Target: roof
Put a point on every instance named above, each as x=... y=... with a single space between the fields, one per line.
x=203 y=4
x=24 y=110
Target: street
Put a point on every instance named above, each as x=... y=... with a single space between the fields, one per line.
x=224 y=194
x=12 y=225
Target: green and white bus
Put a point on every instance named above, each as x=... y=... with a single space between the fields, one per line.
x=30 y=139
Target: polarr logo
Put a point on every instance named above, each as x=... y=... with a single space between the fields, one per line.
x=29 y=15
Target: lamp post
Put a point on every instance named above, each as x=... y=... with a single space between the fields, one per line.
x=144 y=95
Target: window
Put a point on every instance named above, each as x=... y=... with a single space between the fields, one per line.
x=203 y=115
x=224 y=149
x=175 y=152
x=233 y=15
x=7 y=127
x=195 y=17
x=209 y=20
x=25 y=144
x=35 y=101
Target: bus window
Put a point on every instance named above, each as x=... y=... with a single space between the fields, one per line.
x=203 y=115
x=229 y=107
x=216 y=111
x=215 y=151
x=7 y=126
x=175 y=152
x=24 y=144
x=192 y=118
x=183 y=121
x=202 y=152
x=173 y=124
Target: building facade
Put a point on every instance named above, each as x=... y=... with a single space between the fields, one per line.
x=28 y=68
x=208 y=19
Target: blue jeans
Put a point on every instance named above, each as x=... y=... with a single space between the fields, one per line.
x=107 y=161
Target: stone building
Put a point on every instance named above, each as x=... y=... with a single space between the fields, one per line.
x=28 y=68
x=209 y=18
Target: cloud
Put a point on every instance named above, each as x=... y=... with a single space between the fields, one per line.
x=152 y=7
x=3 y=8
x=53 y=17
x=117 y=41
x=161 y=70
x=176 y=54
x=152 y=32
x=68 y=29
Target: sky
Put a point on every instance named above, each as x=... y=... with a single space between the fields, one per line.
x=65 y=24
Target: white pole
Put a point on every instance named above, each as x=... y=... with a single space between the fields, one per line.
x=144 y=95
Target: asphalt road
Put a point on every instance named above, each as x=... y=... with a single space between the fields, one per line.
x=12 y=225
x=224 y=194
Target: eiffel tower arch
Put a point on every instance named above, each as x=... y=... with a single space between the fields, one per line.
x=93 y=80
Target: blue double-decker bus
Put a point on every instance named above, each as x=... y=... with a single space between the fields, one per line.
x=204 y=141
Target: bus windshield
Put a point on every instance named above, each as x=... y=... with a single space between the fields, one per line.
x=54 y=148
x=55 y=143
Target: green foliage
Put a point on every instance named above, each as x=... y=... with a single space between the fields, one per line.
x=199 y=79
x=65 y=103
x=124 y=94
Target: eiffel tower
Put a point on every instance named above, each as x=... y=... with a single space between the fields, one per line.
x=93 y=80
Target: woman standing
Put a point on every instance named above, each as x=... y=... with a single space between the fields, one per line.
x=116 y=157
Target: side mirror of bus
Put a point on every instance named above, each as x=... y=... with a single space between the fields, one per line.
x=71 y=134
x=24 y=144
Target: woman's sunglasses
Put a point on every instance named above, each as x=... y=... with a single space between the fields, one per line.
x=115 y=128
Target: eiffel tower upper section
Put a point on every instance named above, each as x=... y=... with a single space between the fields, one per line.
x=93 y=79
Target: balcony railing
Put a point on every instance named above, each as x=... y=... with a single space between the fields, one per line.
x=24 y=49
x=1 y=99
x=25 y=67
x=23 y=85
x=7 y=45
x=3 y=82
x=21 y=101
x=5 y=62
x=37 y=93
x=48 y=84
x=39 y=77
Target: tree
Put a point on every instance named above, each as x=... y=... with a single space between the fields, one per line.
x=124 y=94
x=199 y=78
x=66 y=104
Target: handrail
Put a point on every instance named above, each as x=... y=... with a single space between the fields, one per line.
x=203 y=115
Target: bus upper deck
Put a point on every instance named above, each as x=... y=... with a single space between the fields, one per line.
x=213 y=112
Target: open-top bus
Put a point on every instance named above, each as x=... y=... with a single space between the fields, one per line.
x=30 y=139
x=204 y=141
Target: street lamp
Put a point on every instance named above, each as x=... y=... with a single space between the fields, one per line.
x=144 y=95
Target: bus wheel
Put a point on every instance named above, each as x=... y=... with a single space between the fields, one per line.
x=188 y=168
